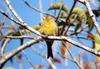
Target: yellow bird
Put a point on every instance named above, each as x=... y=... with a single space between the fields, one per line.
x=48 y=27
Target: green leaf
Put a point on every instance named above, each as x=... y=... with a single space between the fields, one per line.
x=80 y=13
x=78 y=26
x=90 y=24
x=57 y=6
x=97 y=47
x=97 y=42
x=97 y=38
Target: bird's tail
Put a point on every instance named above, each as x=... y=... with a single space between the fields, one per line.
x=49 y=49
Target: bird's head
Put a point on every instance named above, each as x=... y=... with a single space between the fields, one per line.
x=47 y=18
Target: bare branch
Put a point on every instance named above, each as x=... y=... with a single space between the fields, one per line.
x=86 y=48
x=28 y=44
x=19 y=37
x=85 y=2
x=40 y=37
x=28 y=59
x=19 y=49
x=73 y=59
x=44 y=56
x=4 y=46
x=13 y=11
x=35 y=9
x=24 y=25
x=64 y=30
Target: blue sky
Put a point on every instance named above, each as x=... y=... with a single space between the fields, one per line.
x=33 y=18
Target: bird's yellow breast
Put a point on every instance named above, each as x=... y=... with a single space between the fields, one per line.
x=48 y=26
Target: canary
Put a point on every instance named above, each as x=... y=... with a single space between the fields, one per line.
x=48 y=27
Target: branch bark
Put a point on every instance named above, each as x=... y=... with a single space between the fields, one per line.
x=86 y=3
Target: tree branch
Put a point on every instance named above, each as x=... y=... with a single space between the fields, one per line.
x=13 y=11
x=85 y=2
x=86 y=48
x=19 y=49
x=64 y=30
x=24 y=25
x=44 y=56
x=28 y=44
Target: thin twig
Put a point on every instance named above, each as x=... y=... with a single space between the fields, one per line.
x=73 y=59
x=28 y=59
x=13 y=11
x=24 y=46
x=4 y=46
x=85 y=2
x=67 y=19
x=19 y=49
x=44 y=56
x=35 y=9
x=38 y=52
x=24 y=25
x=59 y=12
x=49 y=37
x=19 y=37
x=86 y=48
